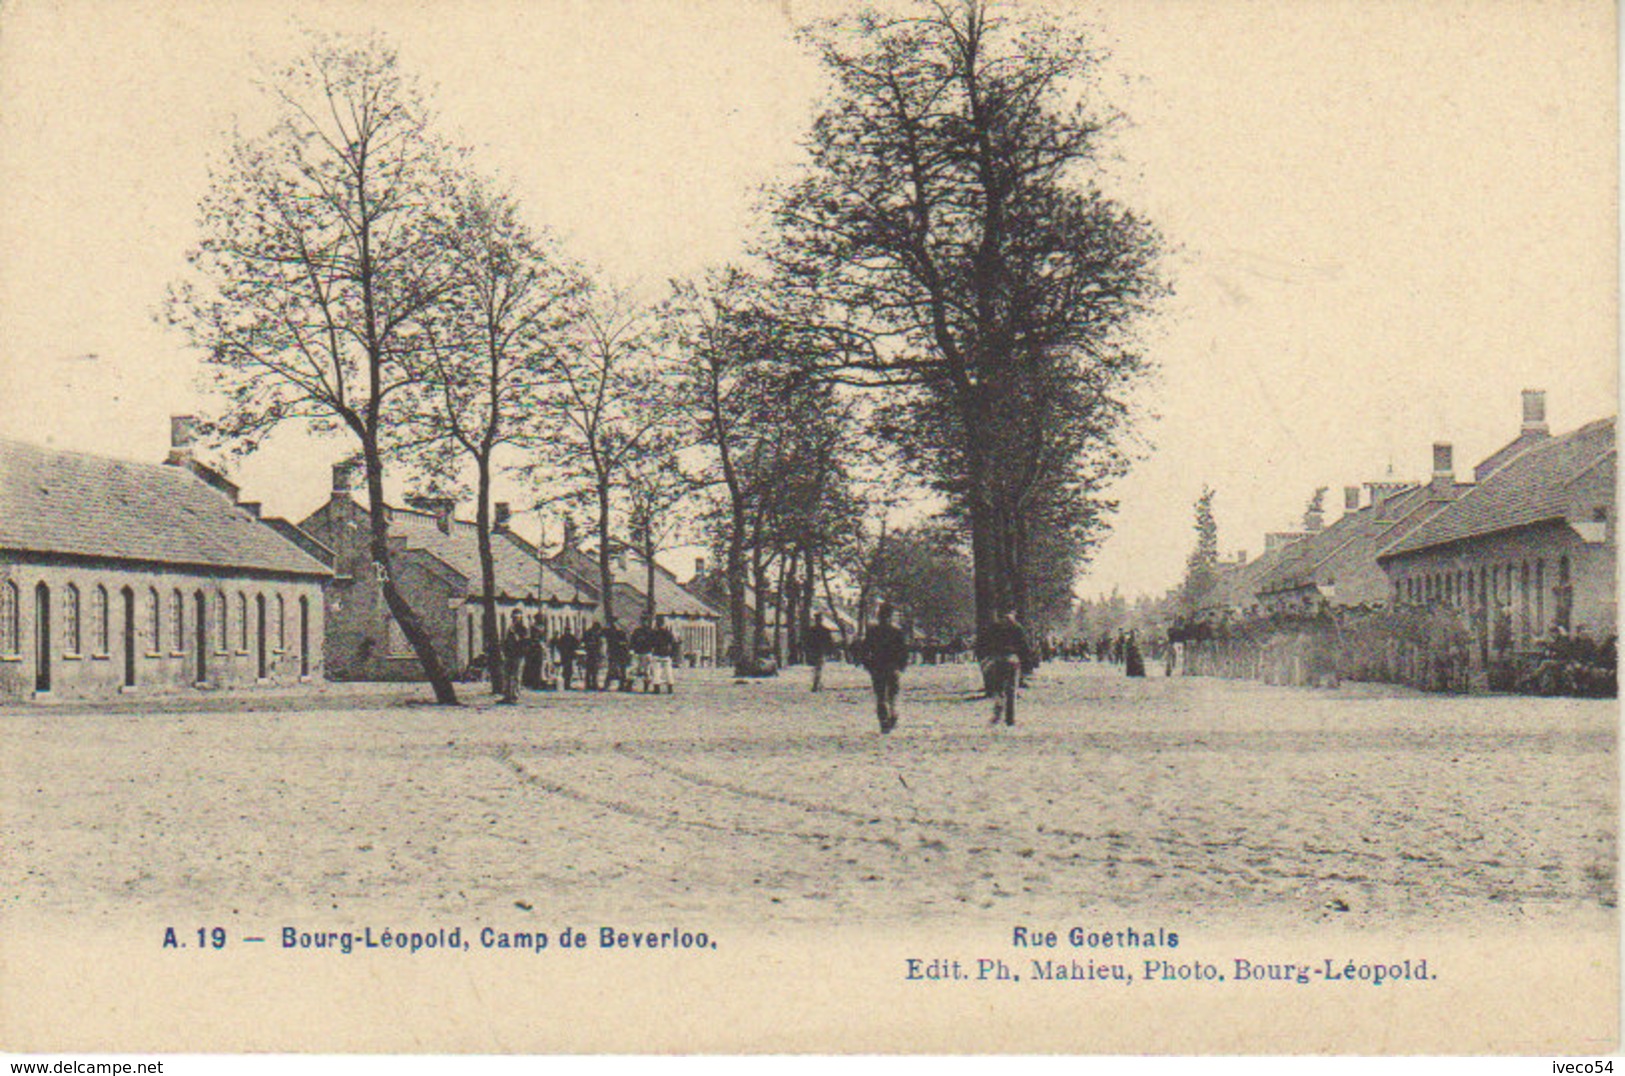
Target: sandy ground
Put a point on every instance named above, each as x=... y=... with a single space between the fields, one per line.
x=761 y=802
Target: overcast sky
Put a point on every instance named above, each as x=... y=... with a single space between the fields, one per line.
x=1387 y=218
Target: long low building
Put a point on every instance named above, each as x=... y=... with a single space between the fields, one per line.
x=436 y=561
x=120 y=577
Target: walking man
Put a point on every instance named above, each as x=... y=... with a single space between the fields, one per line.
x=1006 y=655
x=885 y=655
x=819 y=645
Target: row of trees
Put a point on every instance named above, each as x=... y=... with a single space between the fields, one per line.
x=940 y=286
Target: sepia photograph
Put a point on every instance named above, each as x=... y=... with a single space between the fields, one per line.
x=774 y=527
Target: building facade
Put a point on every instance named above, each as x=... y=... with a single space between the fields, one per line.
x=120 y=577
x=436 y=561
x=1529 y=550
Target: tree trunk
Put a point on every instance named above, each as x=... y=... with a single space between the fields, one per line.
x=606 y=574
x=736 y=597
x=399 y=608
x=488 y=576
x=758 y=582
x=650 y=607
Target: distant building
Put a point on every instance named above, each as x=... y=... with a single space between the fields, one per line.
x=696 y=624
x=119 y=577
x=1337 y=566
x=437 y=570
x=1530 y=547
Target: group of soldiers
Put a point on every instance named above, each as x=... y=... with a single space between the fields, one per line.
x=608 y=657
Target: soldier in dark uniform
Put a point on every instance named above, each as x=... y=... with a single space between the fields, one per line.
x=819 y=644
x=885 y=655
x=617 y=652
x=565 y=644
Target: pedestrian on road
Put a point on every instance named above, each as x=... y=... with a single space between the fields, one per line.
x=1006 y=655
x=514 y=645
x=643 y=644
x=819 y=644
x=565 y=644
x=663 y=650
x=1133 y=660
x=885 y=655
x=617 y=651
x=592 y=655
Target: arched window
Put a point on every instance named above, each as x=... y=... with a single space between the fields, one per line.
x=281 y=624
x=98 y=620
x=220 y=621
x=242 y=622
x=70 y=619
x=153 y=626
x=9 y=638
x=177 y=622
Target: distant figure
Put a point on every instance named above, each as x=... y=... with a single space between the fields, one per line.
x=663 y=650
x=643 y=644
x=536 y=655
x=819 y=643
x=885 y=655
x=618 y=652
x=514 y=644
x=592 y=655
x=1133 y=660
x=1006 y=654
x=565 y=644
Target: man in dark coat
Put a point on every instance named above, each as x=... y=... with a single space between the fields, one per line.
x=513 y=647
x=565 y=644
x=819 y=644
x=592 y=655
x=885 y=655
x=1005 y=653
x=617 y=652
x=643 y=645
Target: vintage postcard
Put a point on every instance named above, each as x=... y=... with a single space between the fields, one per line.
x=744 y=527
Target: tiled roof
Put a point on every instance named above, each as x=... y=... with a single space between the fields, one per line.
x=70 y=504
x=670 y=595
x=1344 y=555
x=1532 y=487
x=519 y=572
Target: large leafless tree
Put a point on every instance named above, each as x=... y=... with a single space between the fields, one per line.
x=317 y=265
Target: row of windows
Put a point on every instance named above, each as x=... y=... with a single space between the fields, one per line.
x=76 y=620
x=1517 y=592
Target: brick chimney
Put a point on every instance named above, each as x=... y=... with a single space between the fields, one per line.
x=699 y=566
x=343 y=474
x=441 y=508
x=182 y=436
x=569 y=534
x=1351 y=498
x=1444 y=472
x=1534 y=414
x=503 y=518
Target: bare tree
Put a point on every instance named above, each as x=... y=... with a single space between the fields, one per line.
x=318 y=265
x=493 y=344
x=603 y=415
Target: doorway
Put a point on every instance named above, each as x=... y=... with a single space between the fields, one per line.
x=128 y=596
x=200 y=634
x=42 y=638
x=259 y=635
